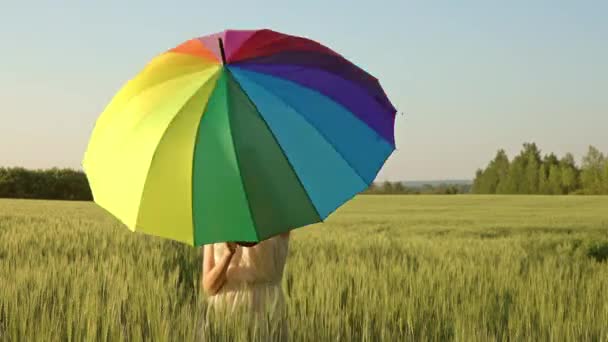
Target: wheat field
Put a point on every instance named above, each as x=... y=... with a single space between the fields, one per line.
x=382 y=268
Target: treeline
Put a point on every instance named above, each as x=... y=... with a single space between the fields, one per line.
x=398 y=188
x=69 y=184
x=531 y=173
x=57 y=184
x=528 y=173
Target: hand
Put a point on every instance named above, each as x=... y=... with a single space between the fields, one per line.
x=231 y=246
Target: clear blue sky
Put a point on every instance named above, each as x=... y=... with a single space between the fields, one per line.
x=471 y=77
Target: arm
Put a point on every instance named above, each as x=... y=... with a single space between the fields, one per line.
x=214 y=275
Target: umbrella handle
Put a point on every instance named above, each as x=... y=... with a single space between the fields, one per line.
x=246 y=244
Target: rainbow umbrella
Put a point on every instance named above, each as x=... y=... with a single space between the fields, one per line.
x=238 y=136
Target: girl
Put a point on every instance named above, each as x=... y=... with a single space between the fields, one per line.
x=241 y=277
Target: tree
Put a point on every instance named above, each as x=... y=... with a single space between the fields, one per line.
x=568 y=159
x=485 y=181
x=387 y=187
x=543 y=180
x=372 y=188
x=532 y=174
x=550 y=159
x=555 y=180
x=5 y=183
x=54 y=183
x=592 y=169
x=501 y=164
x=531 y=149
x=570 y=173
x=398 y=188
x=490 y=179
x=530 y=155
x=523 y=176
x=477 y=186
x=569 y=179
x=494 y=178
x=605 y=178
x=527 y=173
x=515 y=181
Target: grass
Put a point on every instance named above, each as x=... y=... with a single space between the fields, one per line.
x=461 y=268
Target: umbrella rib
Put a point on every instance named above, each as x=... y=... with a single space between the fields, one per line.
x=354 y=115
x=235 y=52
x=310 y=123
x=387 y=113
x=280 y=147
x=154 y=154
x=109 y=116
x=157 y=84
x=147 y=89
x=282 y=37
x=236 y=154
x=375 y=83
x=194 y=155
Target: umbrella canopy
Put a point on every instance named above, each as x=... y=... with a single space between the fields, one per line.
x=238 y=136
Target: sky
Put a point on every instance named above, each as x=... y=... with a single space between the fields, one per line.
x=470 y=77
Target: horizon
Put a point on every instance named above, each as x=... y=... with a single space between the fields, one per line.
x=405 y=181
x=470 y=80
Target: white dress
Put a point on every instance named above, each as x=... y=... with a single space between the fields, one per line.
x=253 y=283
